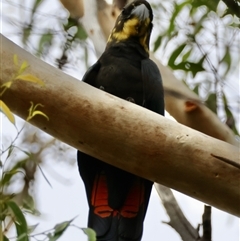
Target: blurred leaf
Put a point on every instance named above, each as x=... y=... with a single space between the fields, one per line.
x=7 y=84
x=45 y=40
x=90 y=233
x=29 y=205
x=70 y=23
x=211 y=102
x=23 y=67
x=230 y=121
x=36 y=5
x=27 y=30
x=3 y=208
x=5 y=238
x=177 y=10
x=197 y=67
x=227 y=59
x=188 y=66
x=7 y=176
x=157 y=43
x=20 y=221
x=30 y=78
x=212 y=5
x=81 y=33
x=44 y=176
x=186 y=55
x=32 y=228
x=10 y=150
x=196 y=89
x=59 y=229
x=4 y=108
x=26 y=33
x=175 y=54
x=199 y=25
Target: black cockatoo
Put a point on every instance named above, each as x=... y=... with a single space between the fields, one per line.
x=117 y=199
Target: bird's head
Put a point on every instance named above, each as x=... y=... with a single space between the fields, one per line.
x=134 y=23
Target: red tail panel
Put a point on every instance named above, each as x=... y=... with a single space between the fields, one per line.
x=100 y=197
x=134 y=200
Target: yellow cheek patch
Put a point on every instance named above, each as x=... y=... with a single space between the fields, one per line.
x=129 y=29
x=143 y=39
x=143 y=43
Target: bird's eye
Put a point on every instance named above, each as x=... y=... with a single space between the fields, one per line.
x=123 y=10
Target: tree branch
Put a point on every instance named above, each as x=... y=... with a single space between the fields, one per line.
x=124 y=134
x=92 y=27
x=206 y=222
x=177 y=219
x=189 y=110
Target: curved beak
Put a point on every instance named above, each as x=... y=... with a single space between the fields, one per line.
x=141 y=11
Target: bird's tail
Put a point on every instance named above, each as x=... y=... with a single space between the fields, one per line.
x=124 y=223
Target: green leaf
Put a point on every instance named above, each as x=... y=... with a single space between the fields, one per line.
x=23 y=67
x=26 y=33
x=199 y=25
x=230 y=121
x=186 y=55
x=71 y=22
x=7 y=176
x=32 y=228
x=196 y=67
x=59 y=229
x=196 y=89
x=227 y=59
x=5 y=238
x=81 y=33
x=157 y=43
x=177 y=9
x=175 y=54
x=29 y=206
x=211 y=102
x=44 y=176
x=36 y=5
x=188 y=66
x=10 y=150
x=7 y=84
x=19 y=221
x=3 y=208
x=4 y=108
x=45 y=40
x=211 y=5
x=90 y=233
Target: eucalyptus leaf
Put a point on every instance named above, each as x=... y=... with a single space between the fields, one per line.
x=19 y=221
x=90 y=233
